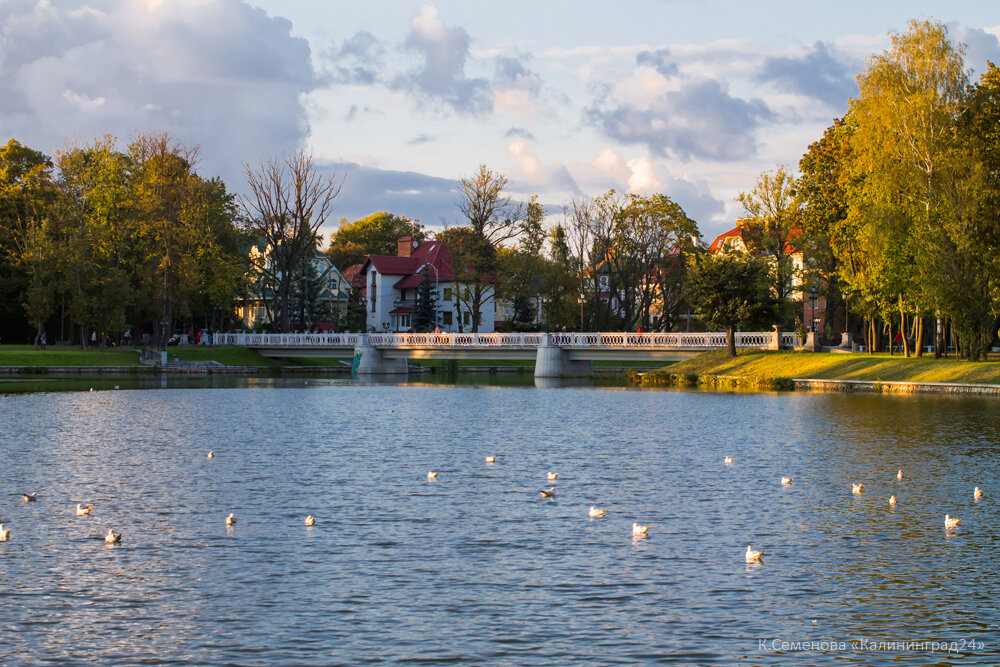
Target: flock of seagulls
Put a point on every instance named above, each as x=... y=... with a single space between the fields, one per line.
x=751 y=556
x=115 y=537
x=858 y=488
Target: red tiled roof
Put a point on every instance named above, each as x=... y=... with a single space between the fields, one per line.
x=354 y=276
x=742 y=232
x=412 y=268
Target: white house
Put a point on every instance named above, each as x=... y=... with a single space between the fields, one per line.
x=392 y=281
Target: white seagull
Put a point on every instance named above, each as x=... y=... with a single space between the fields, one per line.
x=310 y=520
x=639 y=531
x=29 y=497
x=899 y=475
x=786 y=481
x=892 y=501
x=230 y=520
x=950 y=522
x=549 y=493
x=432 y=475
x=857 y=488
x=977 y=494
x=83 y=511
x=211 y=454
x=596 y=512
x=491 y=459
x=551 y=476
x=728 y=460
x=753 y=556
x=4 y=533
x=112 y=537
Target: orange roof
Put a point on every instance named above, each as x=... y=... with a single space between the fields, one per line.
x=743 y=232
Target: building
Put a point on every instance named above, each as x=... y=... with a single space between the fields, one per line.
x=391 y=284
x=333 y=292
x=737 y=240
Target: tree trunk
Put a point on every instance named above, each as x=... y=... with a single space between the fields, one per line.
x=919 y=336
x=731 y=341
x=902 y=329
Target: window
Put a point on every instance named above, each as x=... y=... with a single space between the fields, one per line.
x=372 y=292
x=402 y=295
x=447 y=294
x=467 y=317
x=447 y=317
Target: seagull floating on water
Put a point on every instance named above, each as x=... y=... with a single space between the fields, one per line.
x=950 y=522
x=596 y=512
x=211 y=454
x=857 y=488
x=892 y=500
x=230 y=520
x=639 y=531
x=753 y=556
x=29 y=497
x=899 y=475
x=83 y=511
x=549 y=493
x=551 y=476
x=112 y=537
x=977 y=494
x=728 y=460
x=491 y=459
x=4 y=533
x=432 y=475
x=310 y=520
x=786 y=481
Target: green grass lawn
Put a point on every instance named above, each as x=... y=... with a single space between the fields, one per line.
x=26 y=355
x=828 y=366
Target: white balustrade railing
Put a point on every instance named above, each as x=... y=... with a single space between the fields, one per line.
x=657 y=340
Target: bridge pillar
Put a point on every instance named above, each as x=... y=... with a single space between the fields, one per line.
x=551 y=362
x=369 y=360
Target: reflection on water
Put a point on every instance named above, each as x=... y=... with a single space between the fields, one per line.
x=475 y=566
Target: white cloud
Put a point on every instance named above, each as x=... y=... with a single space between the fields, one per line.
x=220 y=74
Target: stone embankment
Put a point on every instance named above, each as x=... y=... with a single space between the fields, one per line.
x=730 y=382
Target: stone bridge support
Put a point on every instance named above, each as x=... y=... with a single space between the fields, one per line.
x=369 y=360
x=553 y=362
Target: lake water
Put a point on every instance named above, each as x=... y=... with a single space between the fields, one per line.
x=476 y=566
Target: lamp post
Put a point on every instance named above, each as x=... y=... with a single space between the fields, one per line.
x=812 y=307
x=581 y=299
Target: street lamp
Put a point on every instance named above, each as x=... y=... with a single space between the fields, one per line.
x=812 y=307
x=581 y=299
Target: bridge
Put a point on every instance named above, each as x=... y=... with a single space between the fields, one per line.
x=562 y=354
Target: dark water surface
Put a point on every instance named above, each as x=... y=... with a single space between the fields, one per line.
x=476 y=567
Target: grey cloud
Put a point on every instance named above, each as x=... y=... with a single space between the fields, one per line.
x=658 y=60
x=367 y=190
x=519 y=133
x=358 y=60
x=980 y=46
x=821 y=73
x=441 y=74
x=701 y=120
x=222 y=75
x=511 y=73
x=421 y=139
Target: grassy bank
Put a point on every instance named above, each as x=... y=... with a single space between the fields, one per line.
x=26 y=355
x=774 y=369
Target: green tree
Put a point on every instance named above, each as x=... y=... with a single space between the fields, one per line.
x=730 y=291
x=376 y=234
x=774 y=232
x=904 y=153
x=425 y=315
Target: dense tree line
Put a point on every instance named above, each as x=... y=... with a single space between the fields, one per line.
x=101 y=240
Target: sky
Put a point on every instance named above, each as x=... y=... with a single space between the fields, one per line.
x=567 y=99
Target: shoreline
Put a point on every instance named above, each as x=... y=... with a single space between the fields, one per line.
x=751 y=383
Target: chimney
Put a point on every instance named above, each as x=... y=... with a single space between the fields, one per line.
x=404 y=246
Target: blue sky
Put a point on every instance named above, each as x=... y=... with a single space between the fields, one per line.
x=568 y=99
